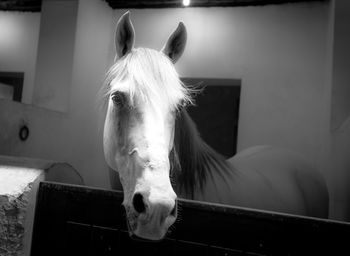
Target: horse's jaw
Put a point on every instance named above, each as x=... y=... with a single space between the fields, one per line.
x=152 y=230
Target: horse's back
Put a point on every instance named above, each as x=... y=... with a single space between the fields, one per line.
x=287 y=176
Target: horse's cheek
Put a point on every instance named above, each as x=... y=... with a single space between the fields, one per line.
x=110 y=145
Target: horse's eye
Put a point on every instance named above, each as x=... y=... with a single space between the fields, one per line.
x=118 y=99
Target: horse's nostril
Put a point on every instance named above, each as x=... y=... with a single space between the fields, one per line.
x=138 y=203
x=173 y=211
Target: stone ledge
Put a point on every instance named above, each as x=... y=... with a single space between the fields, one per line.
x=19 y=181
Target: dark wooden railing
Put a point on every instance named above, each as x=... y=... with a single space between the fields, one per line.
x=76 y=220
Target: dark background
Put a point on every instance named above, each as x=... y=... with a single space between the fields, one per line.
x=216 y=112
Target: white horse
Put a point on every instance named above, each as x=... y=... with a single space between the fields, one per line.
x=151 y=141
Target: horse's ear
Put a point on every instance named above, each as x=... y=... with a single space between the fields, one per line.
x=125 y=35
x=176 y=43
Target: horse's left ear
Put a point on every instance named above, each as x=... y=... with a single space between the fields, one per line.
x=176 y=43
x=124 y=36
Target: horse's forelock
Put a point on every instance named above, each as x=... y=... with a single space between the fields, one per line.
x=151 y=76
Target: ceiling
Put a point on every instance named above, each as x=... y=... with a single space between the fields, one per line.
x=21 y=5
x=118 y=4
x=35 y=5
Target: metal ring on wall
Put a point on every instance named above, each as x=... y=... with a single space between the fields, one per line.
x=24 y=133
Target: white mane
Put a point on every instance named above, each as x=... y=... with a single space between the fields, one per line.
x=151 y=77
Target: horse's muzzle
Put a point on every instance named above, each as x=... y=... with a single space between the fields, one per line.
x=152 y=218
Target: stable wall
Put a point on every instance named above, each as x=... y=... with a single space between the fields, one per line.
x=74 y=136
x=18 y=46
x=55 y=55
x=279 y=52
x=340 y=109
x=340 y=157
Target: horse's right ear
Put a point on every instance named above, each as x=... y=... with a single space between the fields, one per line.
x=124 y=36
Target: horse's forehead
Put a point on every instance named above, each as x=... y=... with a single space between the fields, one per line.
x=145 y=97
x=121 y=86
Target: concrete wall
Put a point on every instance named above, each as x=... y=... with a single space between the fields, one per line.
x=55 y=55
x=341 y=60
x=95 y=31
x=18 y=46
x=340 y=110
x=340 y=172
x=74 y=136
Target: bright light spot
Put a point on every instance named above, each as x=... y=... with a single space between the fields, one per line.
x=186 y=2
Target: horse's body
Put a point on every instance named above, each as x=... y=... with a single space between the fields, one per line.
x=269 y=178
x=149 y=136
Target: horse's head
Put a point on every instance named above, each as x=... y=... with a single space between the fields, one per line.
x=143 y=94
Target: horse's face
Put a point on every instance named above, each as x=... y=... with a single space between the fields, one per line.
x=137 y=141
x=139 y=132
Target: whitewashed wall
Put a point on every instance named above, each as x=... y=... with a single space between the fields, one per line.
x=18 y=46
x=73 y=136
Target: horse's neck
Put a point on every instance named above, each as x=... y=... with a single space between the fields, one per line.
x=193 y=160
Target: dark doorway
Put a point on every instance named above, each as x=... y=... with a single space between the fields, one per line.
x=216 y=112
x=11 y=85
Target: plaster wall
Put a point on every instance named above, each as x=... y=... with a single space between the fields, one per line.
x=19 y=39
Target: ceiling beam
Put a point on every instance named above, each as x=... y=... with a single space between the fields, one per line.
x=35 y=5
x=139 y=4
